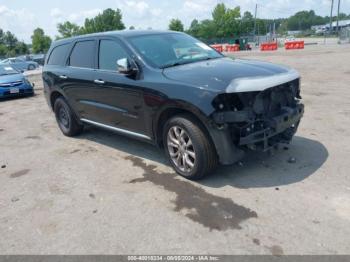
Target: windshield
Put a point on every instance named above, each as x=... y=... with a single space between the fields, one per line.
x=166 y=50
x=7 y=70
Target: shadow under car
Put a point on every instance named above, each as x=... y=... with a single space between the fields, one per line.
x=256 y=170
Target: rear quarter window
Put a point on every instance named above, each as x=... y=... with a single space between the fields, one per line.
x=58 y=55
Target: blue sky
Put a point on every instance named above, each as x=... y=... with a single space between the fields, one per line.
x=23 y=16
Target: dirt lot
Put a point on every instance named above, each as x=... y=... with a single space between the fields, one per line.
x=104 y=193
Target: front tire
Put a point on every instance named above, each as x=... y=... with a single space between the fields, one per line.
x=66 y=119
x=188 y=147
x=31 y=67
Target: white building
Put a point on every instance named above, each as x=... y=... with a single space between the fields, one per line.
x=324 y=28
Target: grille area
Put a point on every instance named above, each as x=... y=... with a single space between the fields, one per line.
x=272 y=101
x=265 y=103
x=12 y=84
x=260 y=119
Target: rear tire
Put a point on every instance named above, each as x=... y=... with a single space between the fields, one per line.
x=188 y=147
x=66 y=118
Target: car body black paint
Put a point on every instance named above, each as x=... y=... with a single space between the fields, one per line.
x=136 y=103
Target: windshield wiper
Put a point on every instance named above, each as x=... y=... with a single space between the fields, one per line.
x=207 y=58
x=175 y=64
x=187 y=62
x=170 y=65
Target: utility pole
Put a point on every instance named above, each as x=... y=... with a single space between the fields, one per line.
x=256 y=10
x=338 y=17
x=331 y=19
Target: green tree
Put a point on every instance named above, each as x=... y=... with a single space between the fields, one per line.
x=40 y=41
x=9 y=40
x=247 y=23
x=342 y=16
x=194 y=28
x=3 y=50
x=232 y=22
x=219 y=16
x=1 y=37
x=68 y=29
x=109 y=20
x=226 y=20
x=303 y=20
x=21 y=48
x=207 y=29
x=176 y=25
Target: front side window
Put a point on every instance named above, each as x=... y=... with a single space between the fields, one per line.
x=83 y=54
x=109 y=53
x=166 y=50
x=58 y=55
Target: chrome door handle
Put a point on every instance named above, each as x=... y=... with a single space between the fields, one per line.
x=98 y=81
x=63 y=76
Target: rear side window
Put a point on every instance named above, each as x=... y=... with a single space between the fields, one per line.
x=110 y=52
x=58 y=55
x=83 y=54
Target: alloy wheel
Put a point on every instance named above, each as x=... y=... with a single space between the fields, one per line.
x=181 y=149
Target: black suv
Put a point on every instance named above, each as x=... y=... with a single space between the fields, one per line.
x=174 y=91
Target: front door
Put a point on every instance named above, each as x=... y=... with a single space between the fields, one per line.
x=118 y=100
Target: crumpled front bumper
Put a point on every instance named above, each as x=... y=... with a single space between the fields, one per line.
x=279 y=129
x=233 y=139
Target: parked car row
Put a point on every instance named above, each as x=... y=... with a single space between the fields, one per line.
x=13 y=83
x=25 y=62
x=38 y=58
x=20 y=64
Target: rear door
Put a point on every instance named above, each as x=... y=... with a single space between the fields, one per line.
x=78 y=76
x=117 y=98
x=54 y=68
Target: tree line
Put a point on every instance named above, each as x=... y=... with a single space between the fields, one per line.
x=10 y=46
x=225 y=23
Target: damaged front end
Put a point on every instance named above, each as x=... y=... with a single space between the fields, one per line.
x=262 y=118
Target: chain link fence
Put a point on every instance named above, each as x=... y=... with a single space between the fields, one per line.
x=344 y=35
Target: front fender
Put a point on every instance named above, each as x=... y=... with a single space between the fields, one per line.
x=226 y=151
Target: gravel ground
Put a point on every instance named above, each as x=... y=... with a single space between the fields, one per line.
x=102 y=193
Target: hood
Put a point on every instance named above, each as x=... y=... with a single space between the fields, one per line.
x=228 y=75
x=4 y=79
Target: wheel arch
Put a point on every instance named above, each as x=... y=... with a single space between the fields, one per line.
x=221 y=140
x=179 y=109
x=53 y=96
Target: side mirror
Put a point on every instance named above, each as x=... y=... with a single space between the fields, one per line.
x=124 y=66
